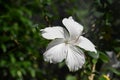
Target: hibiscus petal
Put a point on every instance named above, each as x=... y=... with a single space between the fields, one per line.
x=56 y=53
x=75 y=29
x=55 y=42
x=75 y=58
x=86 y=44
x=54 y=32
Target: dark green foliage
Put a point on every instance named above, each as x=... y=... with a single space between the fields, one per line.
x=22 y=47
x=20 y=42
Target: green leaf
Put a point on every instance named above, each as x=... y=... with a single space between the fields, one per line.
x=94 y=61
x=19 y=73
x=3 y=48
x=104 y=57
x=117 y=49
x=70 y=77
x=12 y=58
x=115 y=71
x=94 y=55
x=3 y=63
x=32 y=72
x=61 y=64
x=13 y=72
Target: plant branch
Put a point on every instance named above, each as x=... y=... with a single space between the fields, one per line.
x=91 y=77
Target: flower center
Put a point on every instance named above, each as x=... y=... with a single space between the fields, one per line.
x=66 y=42
x=69 y=42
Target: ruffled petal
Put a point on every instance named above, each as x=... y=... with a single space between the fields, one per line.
x=86 y=44
x=75 y=58
x=54 y=32
x=55 y=42
x=56 y=53
x=75 y=29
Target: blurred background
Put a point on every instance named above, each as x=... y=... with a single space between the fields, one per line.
x=22 y=46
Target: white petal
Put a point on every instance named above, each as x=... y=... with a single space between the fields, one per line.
x=75 y=29
x=55 y=42
x=75 y=58
x=56 y=53
x=54 y=32
x=86 y=44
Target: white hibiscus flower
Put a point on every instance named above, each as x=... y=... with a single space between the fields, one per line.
x=66 y=43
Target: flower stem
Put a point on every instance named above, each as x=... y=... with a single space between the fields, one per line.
x=91 y=77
